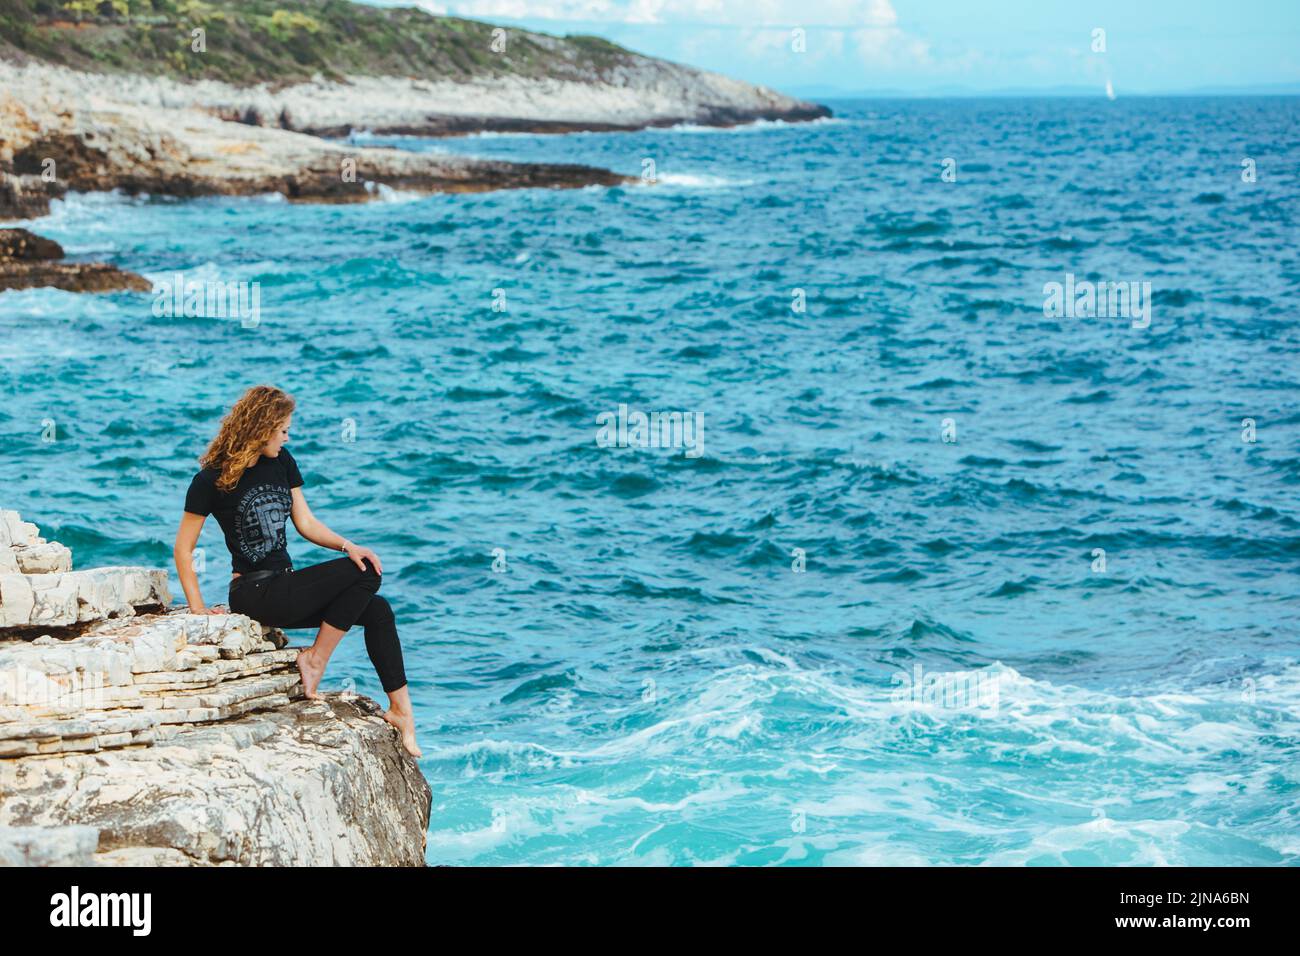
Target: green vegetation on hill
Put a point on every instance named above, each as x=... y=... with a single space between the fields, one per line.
x=284 y=41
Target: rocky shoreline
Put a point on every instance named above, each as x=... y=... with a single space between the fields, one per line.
x=136 y=735
x=434 y=125
x=649 y=94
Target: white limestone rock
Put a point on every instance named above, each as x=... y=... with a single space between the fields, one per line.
x=59 y=599
x=24 y=551
x=166 y=738
x=310 y=783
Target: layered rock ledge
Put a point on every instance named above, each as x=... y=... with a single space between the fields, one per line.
x=638 y=93
x=29 y=261
x=133 y=734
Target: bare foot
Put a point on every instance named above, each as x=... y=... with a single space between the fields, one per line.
x=310 y=672
x=404 y=721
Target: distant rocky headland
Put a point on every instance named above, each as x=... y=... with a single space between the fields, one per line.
x=241 y=97
x=136 y=734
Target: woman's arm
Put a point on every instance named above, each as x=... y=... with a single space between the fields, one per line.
x=315 y=531
x=187 y=536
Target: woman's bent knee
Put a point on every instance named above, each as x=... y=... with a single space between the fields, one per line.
x=368 y=576
x=378 y=611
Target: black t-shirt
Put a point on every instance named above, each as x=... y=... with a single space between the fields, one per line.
x=252 y=515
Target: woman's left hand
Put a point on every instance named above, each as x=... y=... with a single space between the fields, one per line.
x=358 y=554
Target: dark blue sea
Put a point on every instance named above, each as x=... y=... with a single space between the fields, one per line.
x=941 y=578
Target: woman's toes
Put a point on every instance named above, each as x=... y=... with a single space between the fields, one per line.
x=405 y=722
x=408 y=741
x=302 y=675
x=309 y=673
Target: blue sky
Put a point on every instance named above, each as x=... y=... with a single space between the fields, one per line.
x=919 y=46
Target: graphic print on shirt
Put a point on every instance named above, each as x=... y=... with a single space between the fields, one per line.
x=259 y=520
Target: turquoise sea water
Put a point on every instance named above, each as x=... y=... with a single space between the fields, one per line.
x=647 y=680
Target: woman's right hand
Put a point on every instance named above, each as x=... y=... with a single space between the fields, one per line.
x=360 y=555
x=218 y=609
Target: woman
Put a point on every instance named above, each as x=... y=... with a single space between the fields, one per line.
x=252 y=484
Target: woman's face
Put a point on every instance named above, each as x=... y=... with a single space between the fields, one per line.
x=281 y=436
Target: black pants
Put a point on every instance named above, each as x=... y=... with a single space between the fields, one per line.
x=336 y=592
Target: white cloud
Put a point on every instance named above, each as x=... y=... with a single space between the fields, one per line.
x=866 y=30
x=888 y=46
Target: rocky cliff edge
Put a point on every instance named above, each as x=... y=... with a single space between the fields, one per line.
x=134 y=734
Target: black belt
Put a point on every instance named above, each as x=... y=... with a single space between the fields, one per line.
x=257 y=575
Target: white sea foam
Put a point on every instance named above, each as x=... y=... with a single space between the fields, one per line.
x=865 y=791
x=699 y=181
x=513 y=133
x=86 y=213
x=408 y=141
x=755 y=126
x=383 y=193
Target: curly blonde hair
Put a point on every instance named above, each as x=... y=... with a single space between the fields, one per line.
x=245 y=430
